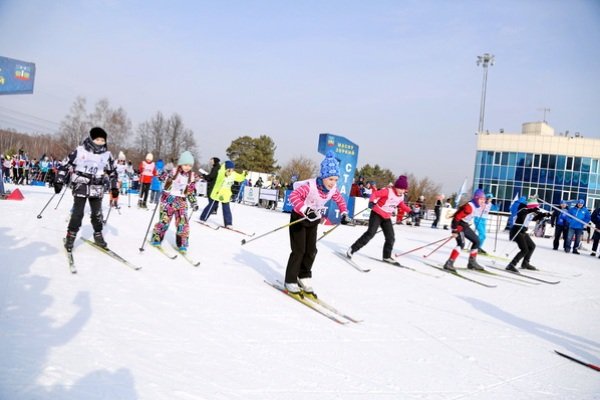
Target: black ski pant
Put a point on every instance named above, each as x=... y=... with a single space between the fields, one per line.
x=78 y=210
x=526 y=248
x=375 y=221
x=560 y=231
x=144 y=192
x=303 y=240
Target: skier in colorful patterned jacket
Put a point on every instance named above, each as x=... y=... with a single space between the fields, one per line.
x=461 y=229
x=179 y=189
x=383 y=203
x=90 y=163
x=308 y=204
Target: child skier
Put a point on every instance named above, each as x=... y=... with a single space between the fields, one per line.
x=147 y=171
x=308 y=201
x=180 y=187
x=221 y=192
x=90 y=162
x=461 y=229
x=121 y=167
x=530 y=211
x=382 y=204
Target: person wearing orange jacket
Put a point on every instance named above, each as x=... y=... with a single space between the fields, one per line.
x=382 y=203
x=147 y=171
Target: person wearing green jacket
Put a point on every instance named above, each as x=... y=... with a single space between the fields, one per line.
x=221 y=192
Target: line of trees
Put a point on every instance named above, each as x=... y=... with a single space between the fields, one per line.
x=167 y=137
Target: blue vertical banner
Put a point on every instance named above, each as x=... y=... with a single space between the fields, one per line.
x=346 y=153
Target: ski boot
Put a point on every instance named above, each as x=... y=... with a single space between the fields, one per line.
x=526 y=265
x=349 y=253
x=449 y=265
x=306 y=285
x=99 y=240
x=511 y=268
x=293 y=288
x=473 y=264
x=70 y=240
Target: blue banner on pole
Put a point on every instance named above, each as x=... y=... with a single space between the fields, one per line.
x=347 y=154
x=16 y=77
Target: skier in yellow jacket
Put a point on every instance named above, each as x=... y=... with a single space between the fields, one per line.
x=221 y=192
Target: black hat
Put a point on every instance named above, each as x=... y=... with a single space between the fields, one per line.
x=216 y=160
x=97 y=132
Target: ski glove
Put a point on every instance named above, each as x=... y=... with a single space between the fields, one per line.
x=58 y=188
x=311 y=214
x=371 y=205
x=345 y=219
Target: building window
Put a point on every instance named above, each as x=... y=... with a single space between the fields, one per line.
x=569 y=166
x=585 y=164
x=497 y=158
x=560 y=162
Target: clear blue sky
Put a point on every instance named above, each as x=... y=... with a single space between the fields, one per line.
x=399 y=78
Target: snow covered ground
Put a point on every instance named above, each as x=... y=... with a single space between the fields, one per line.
x=172 y=331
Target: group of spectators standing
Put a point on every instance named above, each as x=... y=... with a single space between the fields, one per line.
x=569 y=222
x=19 y=169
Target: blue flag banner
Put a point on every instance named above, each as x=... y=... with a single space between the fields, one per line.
x=16 y=77
x=346 y=153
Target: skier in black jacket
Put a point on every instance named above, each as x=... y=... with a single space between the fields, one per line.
x=90 y=163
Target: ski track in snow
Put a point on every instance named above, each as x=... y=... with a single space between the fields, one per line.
x=216 y=331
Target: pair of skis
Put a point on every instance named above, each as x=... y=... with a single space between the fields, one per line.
x=217 y=227
x=510 y=275
x=174 y=256
x=311 y=301
x=107 y=251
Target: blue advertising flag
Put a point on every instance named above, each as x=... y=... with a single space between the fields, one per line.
x=16 y=77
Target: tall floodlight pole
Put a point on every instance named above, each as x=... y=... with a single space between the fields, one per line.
x=485 y=61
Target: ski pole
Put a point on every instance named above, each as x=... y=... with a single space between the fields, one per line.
x=128 y=192
x=511 y=241
x=419 y=248
x=327 y=232
x=61 y=196
x=567 y=214
x=439 y=247
x=110 y=207
x=244 y=241
x=498 y=219
x=189 y=217
x=40 y=214
x=403 y=218
x=149 y=225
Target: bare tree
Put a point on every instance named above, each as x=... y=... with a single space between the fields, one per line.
x=75 y=126
x=422 y=187
x=299 y=168
x=179 y=139
x=152 y=134
x=114 y=122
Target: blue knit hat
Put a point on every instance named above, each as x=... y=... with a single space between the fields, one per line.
x=329 y=166
x=229 y=164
